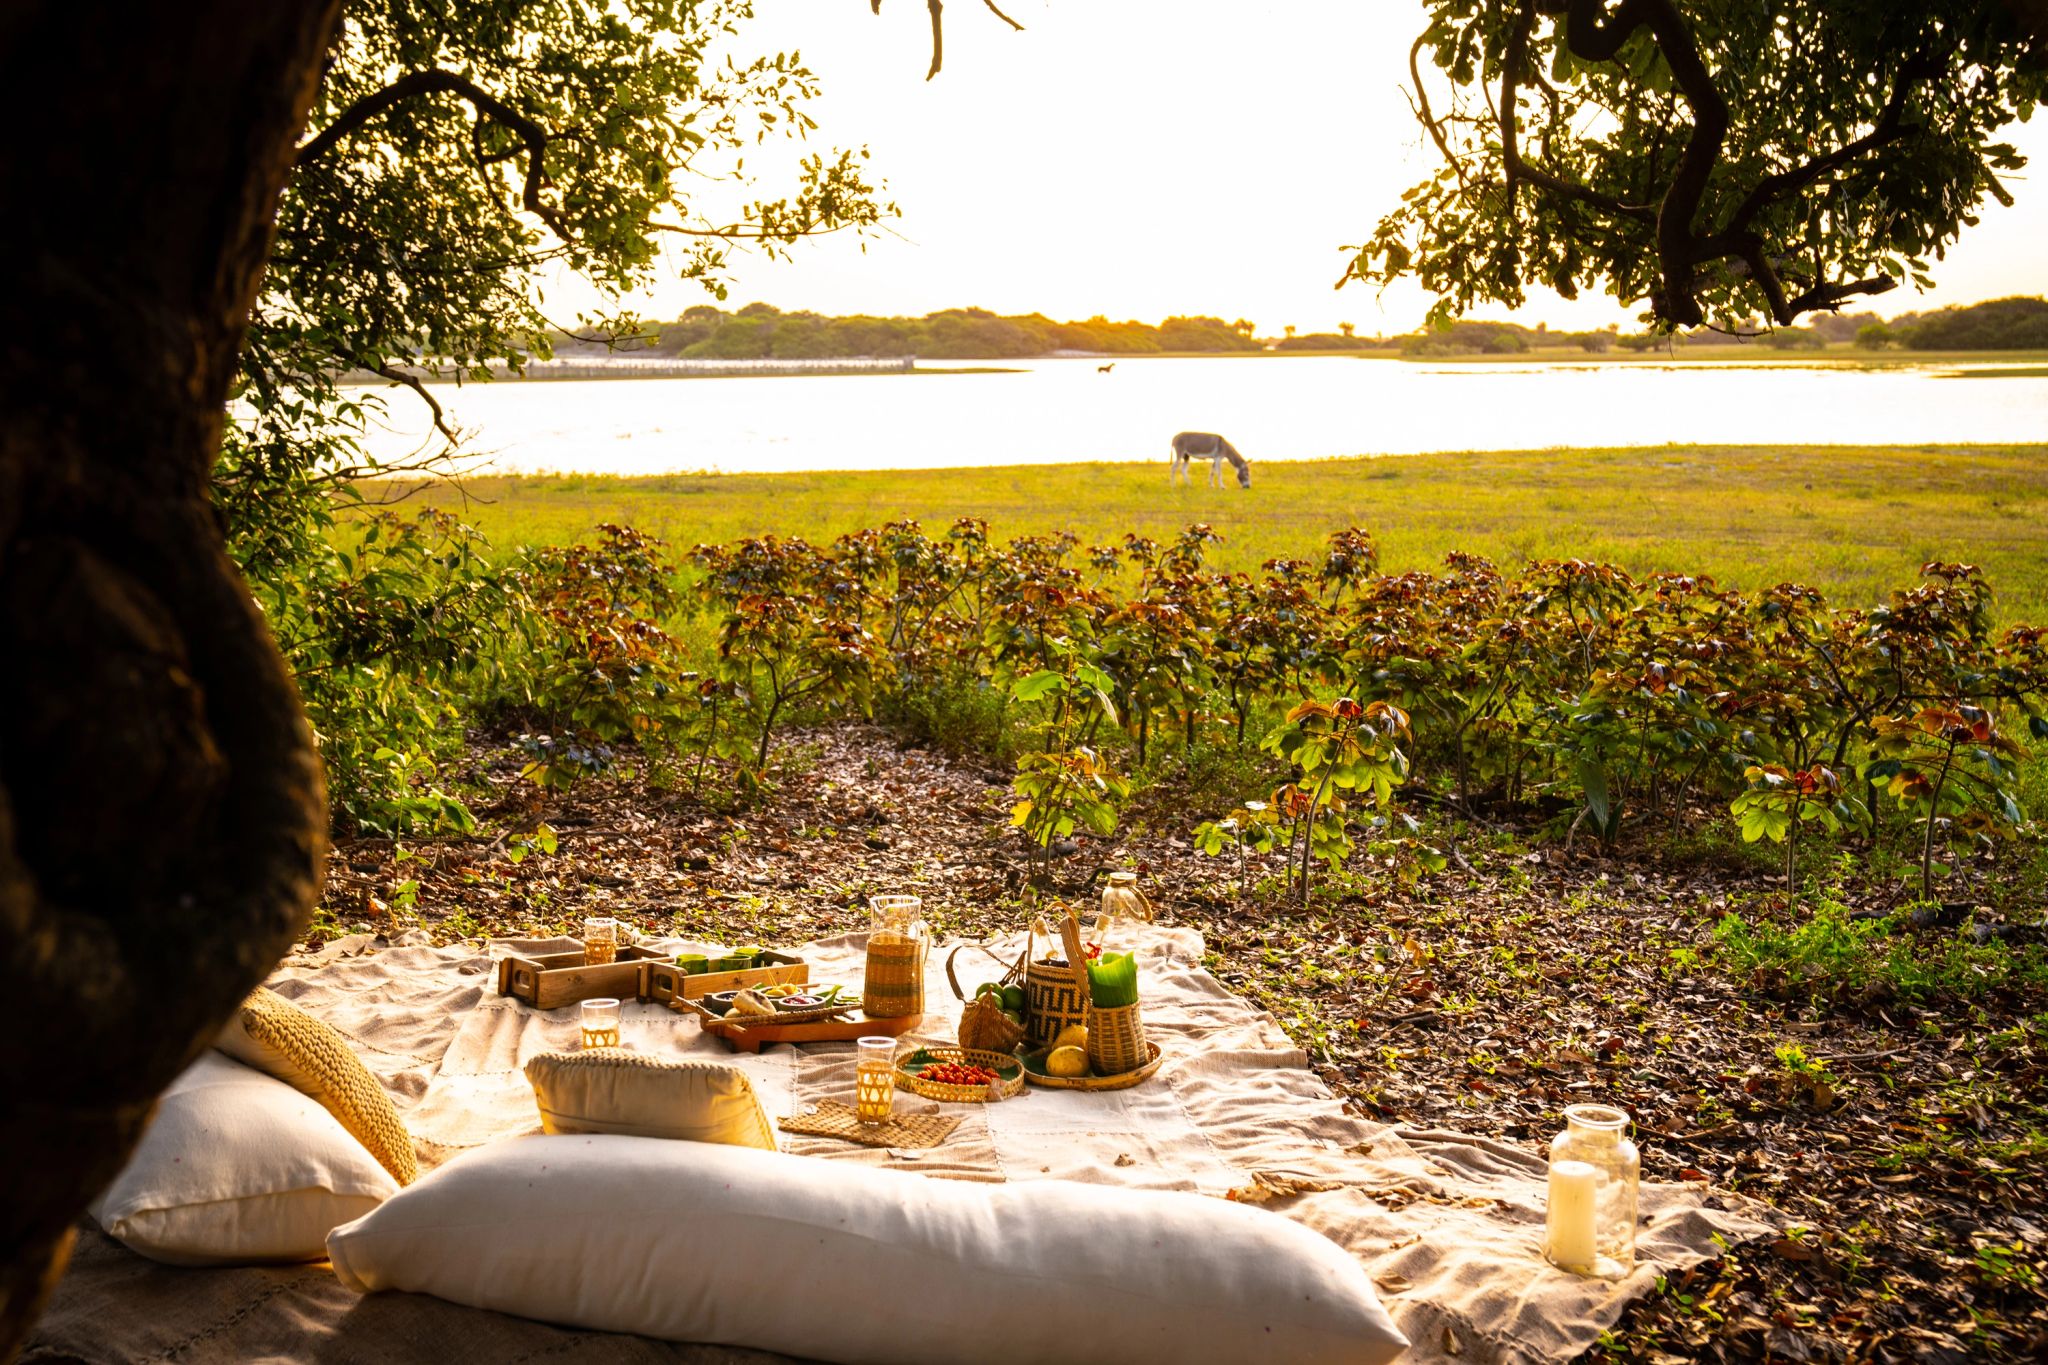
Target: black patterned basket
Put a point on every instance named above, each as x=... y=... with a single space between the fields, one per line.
x=1052 y=1001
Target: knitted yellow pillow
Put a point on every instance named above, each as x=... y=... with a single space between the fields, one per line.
x=278 y=1038
x=613 y=1090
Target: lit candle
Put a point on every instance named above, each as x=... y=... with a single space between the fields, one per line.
x=1574 y=1200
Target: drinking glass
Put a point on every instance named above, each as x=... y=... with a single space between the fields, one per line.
x=874 y=1078
x=601 y=1023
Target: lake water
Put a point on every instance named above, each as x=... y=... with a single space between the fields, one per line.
x=1271 y=408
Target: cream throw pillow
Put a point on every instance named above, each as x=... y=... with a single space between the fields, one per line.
x=613 y=1090
x=827 y=1260
x=237 y=1167
x=279 y=1039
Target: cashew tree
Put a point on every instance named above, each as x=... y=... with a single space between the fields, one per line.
x=1712 y=160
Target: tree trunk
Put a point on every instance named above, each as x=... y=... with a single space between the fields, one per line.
x=162 y=823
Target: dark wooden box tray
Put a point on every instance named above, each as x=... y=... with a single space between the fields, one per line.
x=551 y=980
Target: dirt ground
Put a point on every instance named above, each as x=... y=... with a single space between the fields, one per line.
x=1907 y=1140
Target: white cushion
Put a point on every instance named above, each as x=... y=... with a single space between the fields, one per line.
x=831 y=1261
x=238 y=1167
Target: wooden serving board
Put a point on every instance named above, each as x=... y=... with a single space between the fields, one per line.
x=828 y=1031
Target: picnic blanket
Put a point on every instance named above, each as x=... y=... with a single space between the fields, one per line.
x=1449 y=1226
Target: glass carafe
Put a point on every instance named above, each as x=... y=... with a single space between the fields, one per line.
x=1590 y=1225
x=1123 y=906
x=893 y=985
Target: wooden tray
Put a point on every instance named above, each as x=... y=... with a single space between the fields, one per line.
x=551 y=980
x=666 y=981
x=831 y=1031
x=1034 y=1072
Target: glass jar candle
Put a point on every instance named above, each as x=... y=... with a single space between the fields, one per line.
x=600 y=941
x=874 y=1079
x=1590 y=1224
x=600 y=1023
x=893 y=984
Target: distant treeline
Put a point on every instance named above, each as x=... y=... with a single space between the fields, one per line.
x=761 y=332
x=2017 y=324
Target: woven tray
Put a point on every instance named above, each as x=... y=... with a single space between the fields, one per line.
x=682 y=1005
x=1034 y=1072
x=1008 y=1069
x=837 y=1120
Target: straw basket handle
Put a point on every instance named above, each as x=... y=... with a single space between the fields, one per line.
x=1145 y=904
x=1013 y=975
x=1070 y=935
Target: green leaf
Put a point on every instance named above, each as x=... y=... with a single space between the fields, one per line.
x=1034 y=686
x=1593 y=782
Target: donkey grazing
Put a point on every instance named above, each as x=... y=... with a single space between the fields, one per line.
x=1207 y=445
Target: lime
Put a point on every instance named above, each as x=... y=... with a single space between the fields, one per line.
x=1013 y=998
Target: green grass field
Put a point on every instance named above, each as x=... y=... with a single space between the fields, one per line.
x=1854 y=521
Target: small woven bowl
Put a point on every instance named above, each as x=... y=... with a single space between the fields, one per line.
x=1009 y=1071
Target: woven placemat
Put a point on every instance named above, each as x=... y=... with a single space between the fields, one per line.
x=835 y=1119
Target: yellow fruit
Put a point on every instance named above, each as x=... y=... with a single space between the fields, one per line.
x=1073 y=1035
x=1066 y=1061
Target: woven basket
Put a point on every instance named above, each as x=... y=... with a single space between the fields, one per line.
x=1052 y=1001
x=1009 y=1071
x=983 y=1024
x=893 y=985
x=1116 y=1040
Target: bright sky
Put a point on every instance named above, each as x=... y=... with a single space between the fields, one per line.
x=1145 y=159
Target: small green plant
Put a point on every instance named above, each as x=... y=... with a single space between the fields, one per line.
x=1336 y=748
x=1801 y=1077
x=539 y=839
x=1952 y=765
x=1253 y=827
x=1777 y=802
x=2006 y=1265
x=1066 y=782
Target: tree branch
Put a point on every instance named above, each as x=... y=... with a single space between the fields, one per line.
x=1590 y=39
x=1593 y=41
x=532 y=134
x=741 y=233
x=939 y=28
x=1766 y=276
x=1834 y=295
x=1888 y=128
x=386 y=370
x=1513 y=64
x=1422 y=110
